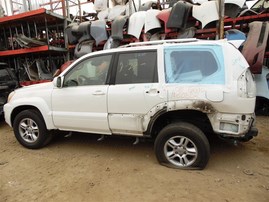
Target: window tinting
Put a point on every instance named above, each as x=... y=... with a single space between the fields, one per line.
x=137 y=67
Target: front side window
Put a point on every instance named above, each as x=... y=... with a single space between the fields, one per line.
x=91 y=71
x=137 y=67
x=199 y=65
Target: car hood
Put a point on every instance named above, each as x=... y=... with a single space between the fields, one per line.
x=38 y=95
x=35 y=87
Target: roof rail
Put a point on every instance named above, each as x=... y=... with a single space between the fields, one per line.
x=160 y=42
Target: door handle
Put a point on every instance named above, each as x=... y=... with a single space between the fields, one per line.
x=98 y=93
x=153 y=91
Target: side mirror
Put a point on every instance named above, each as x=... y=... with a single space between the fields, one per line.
x=58 y=82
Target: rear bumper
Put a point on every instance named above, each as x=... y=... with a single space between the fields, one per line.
x=252 y=132
x=248 y=136
x=234 y=125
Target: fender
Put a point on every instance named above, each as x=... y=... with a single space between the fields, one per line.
x=162 y=108
x=117 y=27
x=201 y=12
x=44 y=106
x=136 y=23
x=151 y=21
x=98 y=31
x=164 y=16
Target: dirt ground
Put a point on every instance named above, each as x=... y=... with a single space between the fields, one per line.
x=79 y=168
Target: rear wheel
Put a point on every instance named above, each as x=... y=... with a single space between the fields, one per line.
x=30 y=129
x=182 y=145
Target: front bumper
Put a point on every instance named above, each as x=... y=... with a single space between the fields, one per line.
x=7 y=114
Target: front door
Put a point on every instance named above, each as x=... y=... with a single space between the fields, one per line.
x=81 y=103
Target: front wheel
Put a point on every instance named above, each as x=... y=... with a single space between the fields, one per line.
x=30 y=129
x=182 y=145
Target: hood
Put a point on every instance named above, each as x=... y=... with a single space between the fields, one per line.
x=35 y=87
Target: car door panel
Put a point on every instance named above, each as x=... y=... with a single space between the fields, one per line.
x=128 y=110
x=135 y=93
x=81 y=104
x=81 y=108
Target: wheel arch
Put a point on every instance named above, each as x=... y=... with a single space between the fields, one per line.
x=18 y=109
x=195 y=117
x=30 y=128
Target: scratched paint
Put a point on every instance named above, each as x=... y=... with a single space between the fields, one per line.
x=187 y=92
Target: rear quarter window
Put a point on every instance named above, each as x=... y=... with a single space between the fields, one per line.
x=199 y=65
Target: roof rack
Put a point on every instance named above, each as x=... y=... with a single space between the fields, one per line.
x=160 y=42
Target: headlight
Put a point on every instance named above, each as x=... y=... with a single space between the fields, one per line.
x=10 y=96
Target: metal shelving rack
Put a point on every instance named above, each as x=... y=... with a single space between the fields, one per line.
x=37 y=24
x=32 y=22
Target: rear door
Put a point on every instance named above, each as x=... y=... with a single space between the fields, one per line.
x=135 y=93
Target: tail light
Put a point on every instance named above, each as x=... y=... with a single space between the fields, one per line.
x=246 y=85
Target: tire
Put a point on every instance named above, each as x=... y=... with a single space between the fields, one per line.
x=262 y=106
x=183 y=146
x=30 y=129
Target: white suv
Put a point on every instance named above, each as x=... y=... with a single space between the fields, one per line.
x=177 y=92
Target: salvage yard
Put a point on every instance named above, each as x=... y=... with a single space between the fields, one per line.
x=79 y=168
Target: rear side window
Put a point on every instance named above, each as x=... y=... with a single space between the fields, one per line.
x=137 y=67
x=199 y=64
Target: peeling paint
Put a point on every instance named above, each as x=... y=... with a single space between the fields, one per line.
x=146 y=119
x=156 y=109
x=198 y=105
x=203 y=106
